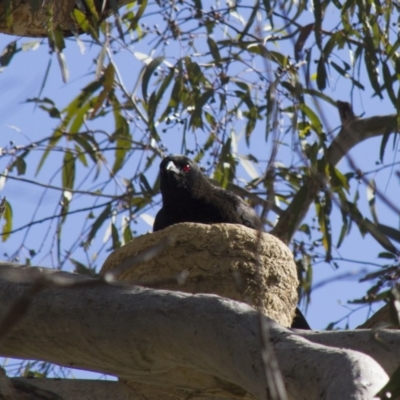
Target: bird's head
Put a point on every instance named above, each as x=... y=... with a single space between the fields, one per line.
x=179 y=174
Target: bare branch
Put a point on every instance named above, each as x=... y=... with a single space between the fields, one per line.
x=67 y=389
x=196 y=342
x=353 y=132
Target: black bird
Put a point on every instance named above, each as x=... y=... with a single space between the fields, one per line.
x=188 y=196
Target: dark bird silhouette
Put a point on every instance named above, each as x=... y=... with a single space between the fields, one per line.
x=188 y=196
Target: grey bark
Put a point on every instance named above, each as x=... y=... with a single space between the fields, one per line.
x=198 y=343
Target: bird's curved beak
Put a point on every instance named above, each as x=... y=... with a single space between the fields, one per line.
x=172 y=167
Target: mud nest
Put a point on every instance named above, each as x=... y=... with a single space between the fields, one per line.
x=224 y=259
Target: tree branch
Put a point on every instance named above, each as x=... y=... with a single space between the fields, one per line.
x=383 y=345
x=194 y=342
x=354 y=131
x=64 y=389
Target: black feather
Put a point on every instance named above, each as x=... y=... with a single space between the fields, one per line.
x=188 y=196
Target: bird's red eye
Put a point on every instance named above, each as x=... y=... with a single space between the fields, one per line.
x=186 y=168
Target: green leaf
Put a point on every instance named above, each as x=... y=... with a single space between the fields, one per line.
x=199 y=8
x=77 y=109
x=195 y=75
x=89 y=20
x=196 y=120
x=301 y=40
x=323 y=211
x=371 y=61
x=138 y=15
x=116 y=243
x=387 y=255
x=46 y=105
x=243 y=85
x=82 y=269
x=8 y=53
x=100 y=61
x=368 y=299
x=80 y=155
x=57 y=135
x=318 y=15
x=74 y=109
x=345 y=74
x=90 y=8
x=7 y=215
x=81 y=19
x=390 y=232
x=344 y=230
x=389 y=81
x=56 y=39
x=57 y=45
x=380 y=237
x=20 y=164
x=127 y=234
x=124 y=139
x=279 y=58
x=251 y=115
x=89 y=144
x=330 y=45
x=138 y=202
x=297 y=205
x=145 y=186
x=107 y=82
x=86 y=23
x=81 y=115
x=68 y=171
x=45 y=76
x=313 y=118
x=178 y=92
x=322 y=96
x=305 y=228
x=338 y=180
x=98 y=223
x=255 y=48
x=255 y=11
x=225 y=170
x=385 y=139
x=154 y=101
x=214 y=51
x=267 y=5
x=148 y=72
x=321 y=73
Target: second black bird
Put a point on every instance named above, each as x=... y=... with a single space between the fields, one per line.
x=188 y=196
